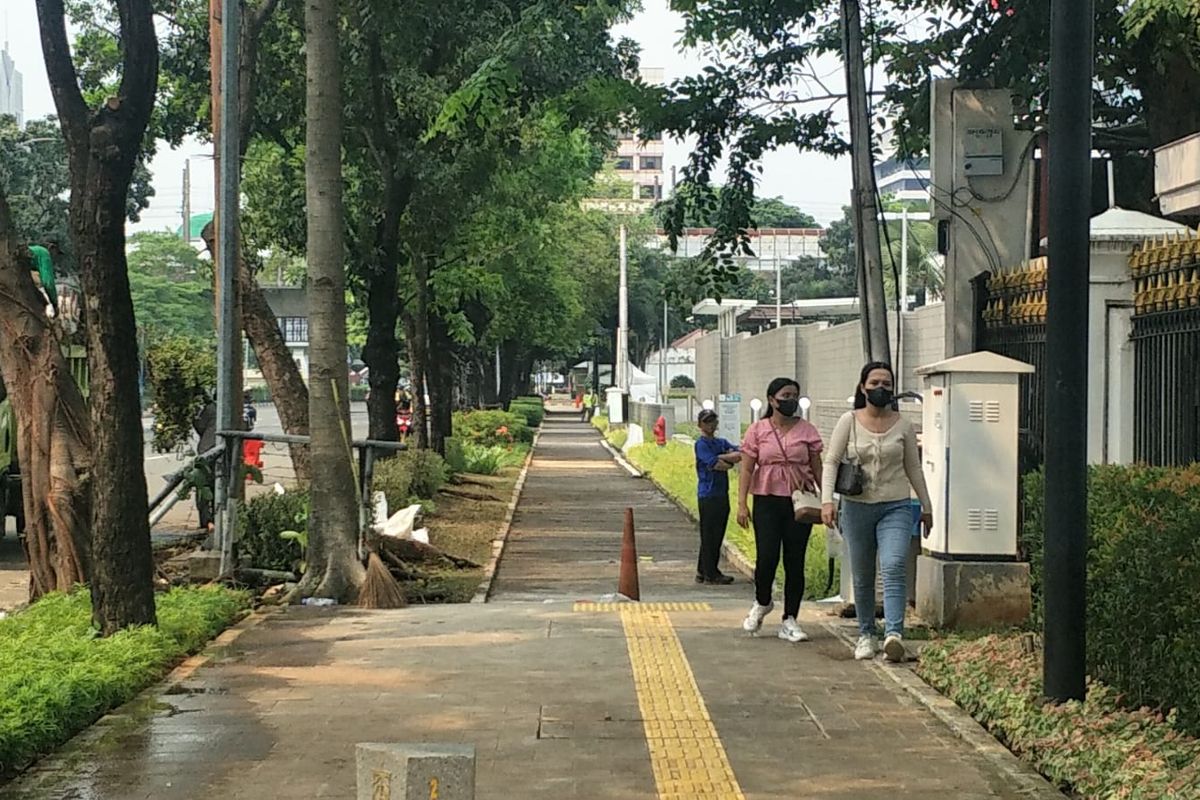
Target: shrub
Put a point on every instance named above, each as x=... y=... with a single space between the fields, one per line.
x=455 y=458
x=492 y=427
x=1094 y=748
x=410 y=475
x=617 y=437
x=492 y=460
x=263 y=519
x=181 y=371
x=682 y=382
x=57 y=676
x=1143 y=570
x=600 y=422
x=531 y=408
x=359 y=392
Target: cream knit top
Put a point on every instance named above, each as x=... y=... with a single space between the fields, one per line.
x=890 y=462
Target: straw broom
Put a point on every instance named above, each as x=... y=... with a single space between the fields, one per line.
x=380 y=588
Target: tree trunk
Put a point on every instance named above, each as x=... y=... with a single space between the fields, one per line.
x=288 y=392
x=103 y=145
x=53 y=435
x=334 y=568
x=440 y=371
x=416 y=325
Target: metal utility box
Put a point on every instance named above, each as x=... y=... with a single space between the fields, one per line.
x=970 y=455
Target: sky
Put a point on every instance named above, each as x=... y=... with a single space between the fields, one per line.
x=817 y=184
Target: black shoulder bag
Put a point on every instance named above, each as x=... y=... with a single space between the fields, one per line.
x=850 y=473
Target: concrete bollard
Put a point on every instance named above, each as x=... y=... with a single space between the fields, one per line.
x=408 y=771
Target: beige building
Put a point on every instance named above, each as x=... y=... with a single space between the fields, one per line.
x=641 y=162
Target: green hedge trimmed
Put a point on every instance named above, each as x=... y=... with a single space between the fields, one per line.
x=1096 y=749
x=492 y=427
x=531 y=408
x=57 y=677
x=1143 y=582
x=409 y=476
x=263 y=519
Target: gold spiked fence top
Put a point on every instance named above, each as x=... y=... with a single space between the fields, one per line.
x=1017 y=295
x=1166 y=273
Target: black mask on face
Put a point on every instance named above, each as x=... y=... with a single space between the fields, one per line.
x=880 y=396
x=789 y=407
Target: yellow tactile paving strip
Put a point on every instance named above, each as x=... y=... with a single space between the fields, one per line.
x=602 y=607
x=686 y=754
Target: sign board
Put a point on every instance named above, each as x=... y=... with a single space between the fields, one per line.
x=729 y=411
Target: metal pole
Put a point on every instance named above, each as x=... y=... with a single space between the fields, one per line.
x=228 y=330
x=187 y=200
x=778 y=281
x=1071 y=64
x=497 y=373
x=868 y=252
x=623 y=320
x=1112 y=185
x=662 y=360
x=904 y=260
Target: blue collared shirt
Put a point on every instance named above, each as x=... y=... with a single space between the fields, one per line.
x=710 y=482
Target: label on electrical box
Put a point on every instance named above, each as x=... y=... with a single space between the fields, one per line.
x=983 y=152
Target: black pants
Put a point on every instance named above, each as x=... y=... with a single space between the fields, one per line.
x=775 y=527
x=714 y=515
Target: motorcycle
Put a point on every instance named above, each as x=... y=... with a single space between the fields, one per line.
x=403 y=424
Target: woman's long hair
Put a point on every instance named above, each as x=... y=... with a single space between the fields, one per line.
x=773 y=389
x=860 y=397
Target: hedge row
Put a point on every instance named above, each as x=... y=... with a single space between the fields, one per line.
x=1143 y=582
x=492 y=427
x=531 y=408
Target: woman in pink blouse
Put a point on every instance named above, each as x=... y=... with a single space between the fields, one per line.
x=780 y=453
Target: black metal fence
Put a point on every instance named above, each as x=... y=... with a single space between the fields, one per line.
x=1167 y=391
x=1166 y=342
x=1011 y=321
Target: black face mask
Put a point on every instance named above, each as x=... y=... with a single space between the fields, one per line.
x=880 y=396
x=789 y=407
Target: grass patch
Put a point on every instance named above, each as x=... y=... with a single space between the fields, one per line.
x=1096 y=750
x=464 y=525
x=673 y=468
x=57 y=677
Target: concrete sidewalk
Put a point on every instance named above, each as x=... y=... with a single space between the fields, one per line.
x=562 y=698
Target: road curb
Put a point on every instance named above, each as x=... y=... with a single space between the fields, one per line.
x=1022 y=777
x=170 y=684
x=489 y=572
x=619 y=457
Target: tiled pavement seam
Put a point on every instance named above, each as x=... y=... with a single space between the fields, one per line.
x=489 y=572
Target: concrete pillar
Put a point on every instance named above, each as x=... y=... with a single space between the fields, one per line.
x=416 y=771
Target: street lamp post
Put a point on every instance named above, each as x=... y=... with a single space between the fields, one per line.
x=1065 y=595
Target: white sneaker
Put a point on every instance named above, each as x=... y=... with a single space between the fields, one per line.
x=790 y=631
x=865 y=649
x=893 y=648
x=754 y=619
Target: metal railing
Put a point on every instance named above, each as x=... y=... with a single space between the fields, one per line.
x=1167 y=387
x=366 y=448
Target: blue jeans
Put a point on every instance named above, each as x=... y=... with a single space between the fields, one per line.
x=883 y=529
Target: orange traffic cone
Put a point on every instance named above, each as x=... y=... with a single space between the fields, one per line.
x=627 y=584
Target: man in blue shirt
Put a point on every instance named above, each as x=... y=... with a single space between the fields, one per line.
x=714 y=458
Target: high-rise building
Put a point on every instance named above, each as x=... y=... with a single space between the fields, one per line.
x=640 y=162
x=12 y=102
x=907 y=180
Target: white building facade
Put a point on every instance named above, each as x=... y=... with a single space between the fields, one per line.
x=12 y=100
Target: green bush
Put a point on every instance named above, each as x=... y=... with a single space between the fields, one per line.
x=359 y=392
x=263 y=519
x=480 y=460
x=57 y=677
x=688 y=429
x=492 y=427
x=682 y=382
x=1094 y=749
x=259 y=394
x=455 y=458
x=1143 y=573
x=600 y=422
x=410 y=475
x=181 y=372
x=617 y=437
x=531 y=408
x=673 y=470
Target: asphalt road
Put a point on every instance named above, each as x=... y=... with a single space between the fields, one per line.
x=277 y=468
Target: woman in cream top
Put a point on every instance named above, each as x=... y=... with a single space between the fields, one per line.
x=877 y=522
